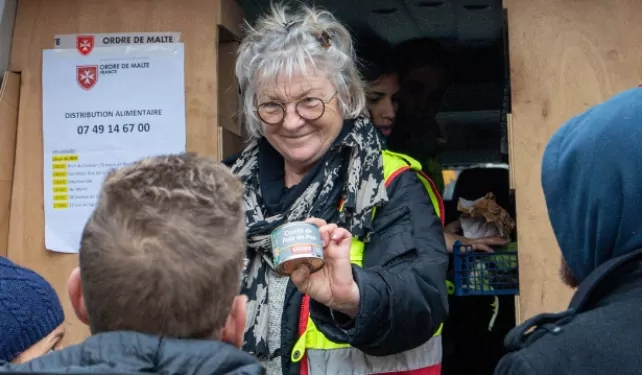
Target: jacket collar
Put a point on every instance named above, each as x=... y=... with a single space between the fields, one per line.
x=135 y=353
x=599 y=283
x=609 y=273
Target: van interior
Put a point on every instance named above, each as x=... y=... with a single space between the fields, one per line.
x=474 y=114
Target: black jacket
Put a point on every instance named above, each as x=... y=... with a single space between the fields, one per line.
x=402 y=282
x=135 y=353
x=600 y=333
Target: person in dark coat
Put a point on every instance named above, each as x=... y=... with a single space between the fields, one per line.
x=161 y=260
x=591 y=179
x=378 y=303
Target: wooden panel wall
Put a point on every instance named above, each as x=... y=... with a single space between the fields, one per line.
x=230 y=132
x=565 y=56
x=9 y=96
x=36 y=24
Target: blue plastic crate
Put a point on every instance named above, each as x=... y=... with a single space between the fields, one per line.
x=484 y=274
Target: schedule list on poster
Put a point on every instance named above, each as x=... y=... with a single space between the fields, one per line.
x=102 y=111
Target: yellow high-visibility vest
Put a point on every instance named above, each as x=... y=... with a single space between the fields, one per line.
x=349 y=360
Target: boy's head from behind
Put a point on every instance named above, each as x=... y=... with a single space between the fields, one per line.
x=163 y=252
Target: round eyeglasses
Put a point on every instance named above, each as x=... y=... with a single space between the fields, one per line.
x=307 y=108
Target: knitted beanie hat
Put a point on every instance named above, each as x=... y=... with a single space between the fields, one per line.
x=29 y=309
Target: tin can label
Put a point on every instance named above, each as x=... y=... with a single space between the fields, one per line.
x=297 y=240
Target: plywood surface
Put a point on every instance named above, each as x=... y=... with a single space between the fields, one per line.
x=565 y=56
x=231 y=135
x=36 y=24
x=227 y=87
x=9 y=96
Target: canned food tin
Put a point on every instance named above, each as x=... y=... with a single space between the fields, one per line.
x=294 y=244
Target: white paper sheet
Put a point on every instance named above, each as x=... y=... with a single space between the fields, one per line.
x=102 y=111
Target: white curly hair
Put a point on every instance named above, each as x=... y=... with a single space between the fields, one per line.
x=291 y=42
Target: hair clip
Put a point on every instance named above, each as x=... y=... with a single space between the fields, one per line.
x=324 y=39
x=287 y=25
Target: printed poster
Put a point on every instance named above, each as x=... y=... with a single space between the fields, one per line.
x=102 y=111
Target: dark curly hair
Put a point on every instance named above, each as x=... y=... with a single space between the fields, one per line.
x=419 y=52
x=374 y=54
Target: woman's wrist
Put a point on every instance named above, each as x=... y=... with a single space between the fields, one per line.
x=350 y=306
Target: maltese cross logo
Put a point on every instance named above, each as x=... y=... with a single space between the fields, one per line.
x=87 y=76
x=85 y=44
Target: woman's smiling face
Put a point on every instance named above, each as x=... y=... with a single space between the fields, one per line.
x=312 y=118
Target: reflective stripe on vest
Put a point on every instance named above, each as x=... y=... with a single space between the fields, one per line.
x=319 y=356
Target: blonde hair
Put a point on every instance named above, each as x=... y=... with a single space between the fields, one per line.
x=287 y=42
x=163 y=251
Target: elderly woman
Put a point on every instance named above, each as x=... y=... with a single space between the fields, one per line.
x=378 y=304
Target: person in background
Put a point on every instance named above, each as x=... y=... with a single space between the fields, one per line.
x=378 y=303
x=423 y=69
x=379 y=70
x=383 y=102
x=161 y=259
x=31 y=317
x=471 y=319
x=596 y=223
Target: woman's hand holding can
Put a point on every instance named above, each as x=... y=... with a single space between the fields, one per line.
x=333 y=285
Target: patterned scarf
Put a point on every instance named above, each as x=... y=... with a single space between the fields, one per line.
x=358 y=155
